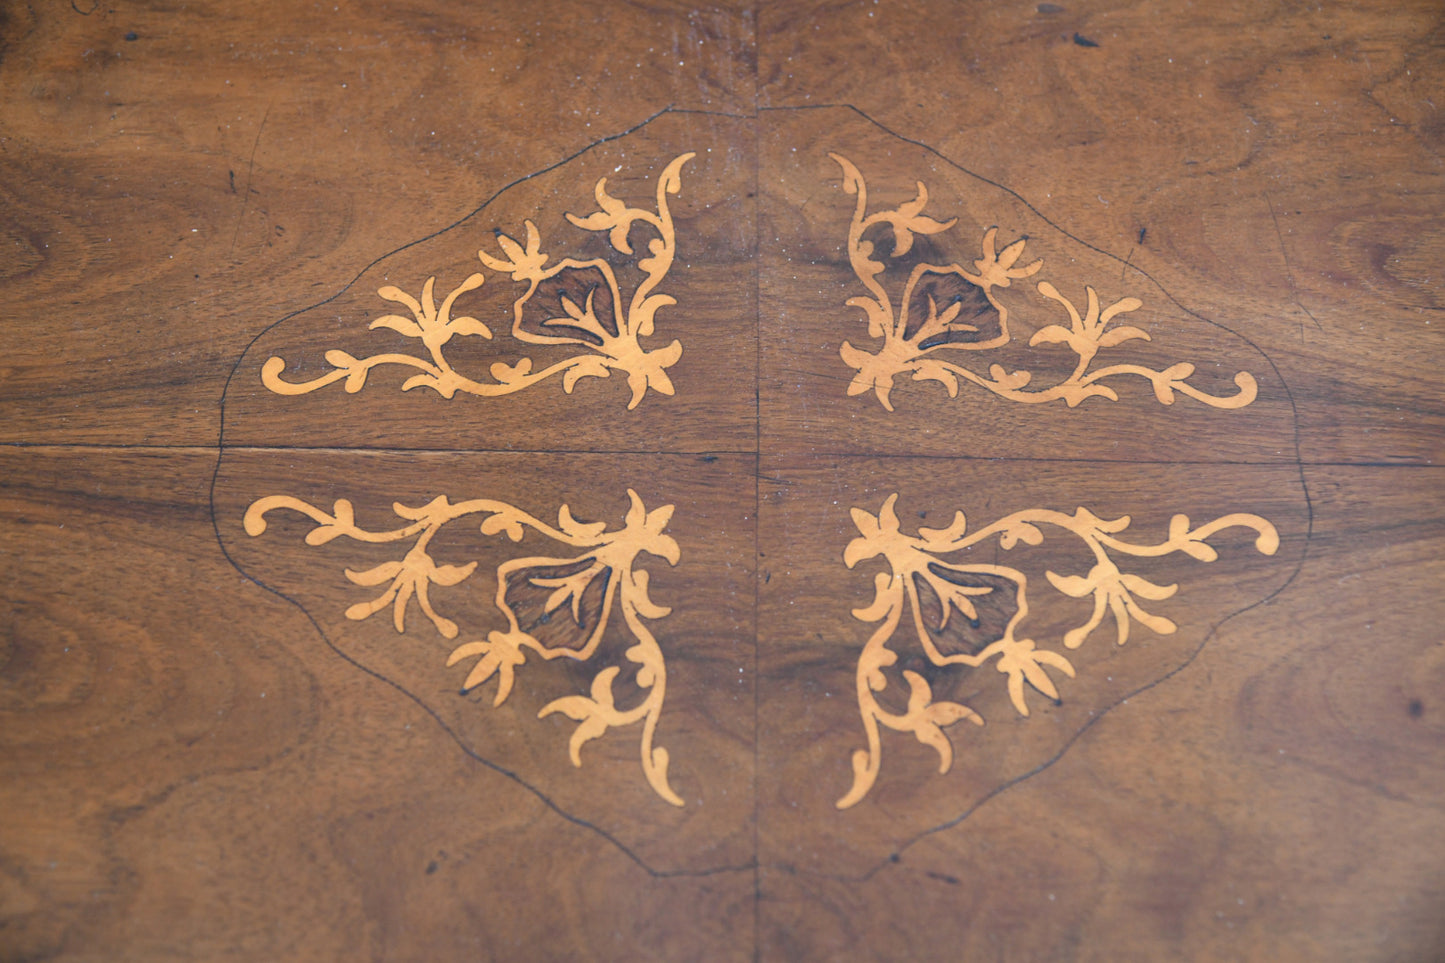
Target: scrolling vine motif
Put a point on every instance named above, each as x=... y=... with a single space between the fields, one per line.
x=604 y=571
x=934 y=592
x=920 y=330
x=608 y=334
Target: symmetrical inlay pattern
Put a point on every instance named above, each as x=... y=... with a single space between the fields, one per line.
x=922 y=316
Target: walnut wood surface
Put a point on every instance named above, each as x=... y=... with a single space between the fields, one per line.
x=205 y=758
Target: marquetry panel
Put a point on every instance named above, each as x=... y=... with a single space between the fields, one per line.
x=909 y=306
x=798 y=481
x=603 y=303
x=581 y=623
x=1044 y=632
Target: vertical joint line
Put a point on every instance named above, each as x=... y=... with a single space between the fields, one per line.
x=757 y=481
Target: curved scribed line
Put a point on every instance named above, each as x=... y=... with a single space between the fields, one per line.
x=754 y=865
x=918 y=349
x=471 y=753
x=221 y=449
x=1297 y=461
x=910 y=559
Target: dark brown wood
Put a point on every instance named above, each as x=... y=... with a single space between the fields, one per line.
x=204 y=756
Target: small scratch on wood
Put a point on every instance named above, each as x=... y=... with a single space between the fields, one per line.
x=246 y=193
x=1288 y=269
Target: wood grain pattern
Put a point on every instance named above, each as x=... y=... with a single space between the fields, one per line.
x=1271 y=157
x=804 y=297
x=706 y=640
x=1205 y=819
x=709 y=280
x=282 y=150
x=811 y=649
x=202 y=757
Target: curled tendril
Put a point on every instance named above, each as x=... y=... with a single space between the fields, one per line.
x=918 y=560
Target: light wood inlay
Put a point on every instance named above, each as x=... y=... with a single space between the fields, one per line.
x=917 y=344
x=574 y=284
x=932 y=593
x=602 y=577
x=202 y=757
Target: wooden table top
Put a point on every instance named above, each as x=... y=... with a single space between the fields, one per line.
x=795 y=481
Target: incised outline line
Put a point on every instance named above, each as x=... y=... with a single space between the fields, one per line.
x=917 y=560
x=525 y=262
x=902 y=353
x=607 y=555
x=610 y=556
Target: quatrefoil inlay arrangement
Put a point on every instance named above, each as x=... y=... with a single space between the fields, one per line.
x=924 y=329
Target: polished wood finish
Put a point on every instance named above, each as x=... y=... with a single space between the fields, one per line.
x=217 y=744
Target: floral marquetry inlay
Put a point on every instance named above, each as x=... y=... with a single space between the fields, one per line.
x=916 y=335
x=928 y=590
x=587 y=585
x=583 y=307
x=555 y=618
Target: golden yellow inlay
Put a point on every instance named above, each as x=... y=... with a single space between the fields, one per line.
x=601 y=576
x=611 y=340
x=916 y=569
x=913 y=347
